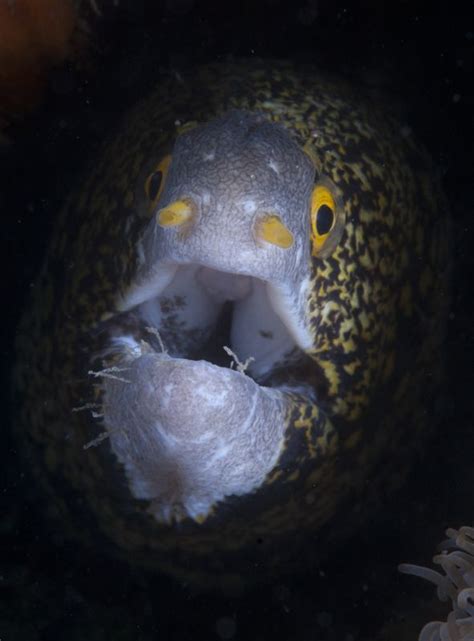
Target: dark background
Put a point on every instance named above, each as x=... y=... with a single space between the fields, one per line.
x=419 y=57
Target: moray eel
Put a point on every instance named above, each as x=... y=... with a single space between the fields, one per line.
x=234 y=344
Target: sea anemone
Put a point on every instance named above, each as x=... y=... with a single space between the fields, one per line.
x=457 y=561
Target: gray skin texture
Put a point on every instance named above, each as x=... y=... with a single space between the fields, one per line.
x=190 y=433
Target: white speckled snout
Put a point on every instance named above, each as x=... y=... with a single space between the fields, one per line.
x=190 y=433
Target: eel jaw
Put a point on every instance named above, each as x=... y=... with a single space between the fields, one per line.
x=190 y=433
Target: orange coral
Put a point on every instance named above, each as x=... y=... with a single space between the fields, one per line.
x=34 y=36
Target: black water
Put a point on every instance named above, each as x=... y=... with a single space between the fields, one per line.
x=421 y=58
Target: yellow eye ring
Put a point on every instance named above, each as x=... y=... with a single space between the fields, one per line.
x=155 y=182
x=327 y=218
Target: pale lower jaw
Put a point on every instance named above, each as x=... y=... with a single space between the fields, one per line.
x=190 y=433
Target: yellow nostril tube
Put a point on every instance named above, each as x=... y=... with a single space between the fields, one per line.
x=175 y=214
x=272 y=230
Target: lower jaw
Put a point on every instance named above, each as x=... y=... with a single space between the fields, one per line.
x=189 y=433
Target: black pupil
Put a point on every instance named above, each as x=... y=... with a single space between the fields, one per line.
x=155 y=184
x=324 y=220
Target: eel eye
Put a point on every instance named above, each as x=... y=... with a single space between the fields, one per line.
x=156 y=181
x=326 y=219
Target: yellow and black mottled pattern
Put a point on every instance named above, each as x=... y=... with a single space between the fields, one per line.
x=376 y=311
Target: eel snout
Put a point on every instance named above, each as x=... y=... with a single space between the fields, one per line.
x=190 y=433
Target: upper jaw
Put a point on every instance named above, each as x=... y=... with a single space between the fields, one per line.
x=258 y=277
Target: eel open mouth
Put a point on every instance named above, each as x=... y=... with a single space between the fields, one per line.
x=203 y=310
x=188 y=431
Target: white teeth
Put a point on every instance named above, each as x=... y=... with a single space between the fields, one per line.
x=128 y=344
x=151 y=288
x=285 y=303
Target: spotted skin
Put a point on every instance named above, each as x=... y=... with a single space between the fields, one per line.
x=376 y=309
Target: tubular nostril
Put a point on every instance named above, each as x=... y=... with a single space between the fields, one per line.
x=176 y=214
x=270 y=229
